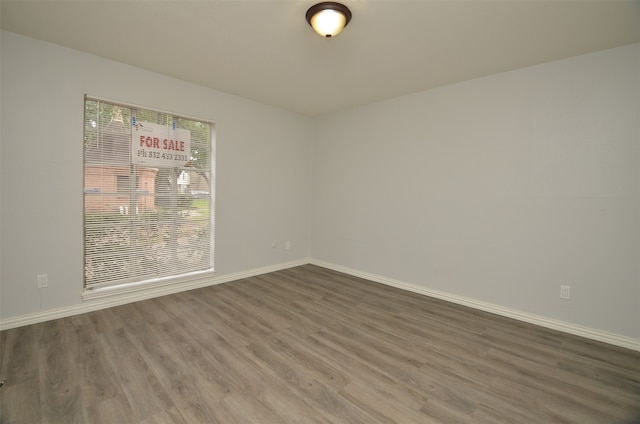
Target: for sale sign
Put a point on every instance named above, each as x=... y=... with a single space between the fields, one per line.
x=159 y=145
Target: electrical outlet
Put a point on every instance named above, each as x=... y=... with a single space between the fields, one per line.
x=565 y=292
x=42 y=281
x=287 y=245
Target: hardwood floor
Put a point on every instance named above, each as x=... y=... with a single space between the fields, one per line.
x=309 y=345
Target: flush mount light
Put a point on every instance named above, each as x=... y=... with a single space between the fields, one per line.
x=328 y=18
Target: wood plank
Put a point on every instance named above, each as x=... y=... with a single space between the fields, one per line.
x=112 y=410
x=60 y=383
x=20 y=354
x=21 y=402
x=140 y=385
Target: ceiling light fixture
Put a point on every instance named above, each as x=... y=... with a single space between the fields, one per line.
x=328 y=18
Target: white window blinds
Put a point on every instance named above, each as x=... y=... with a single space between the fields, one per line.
x=148 y=194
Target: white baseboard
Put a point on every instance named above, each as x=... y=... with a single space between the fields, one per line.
x=590 y=333
x=139 y=293
x=151 y=292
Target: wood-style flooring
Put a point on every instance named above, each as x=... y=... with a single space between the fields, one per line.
x=309 y=345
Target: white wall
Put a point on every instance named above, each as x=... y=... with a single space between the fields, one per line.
x=499 y=189
x=263 y=169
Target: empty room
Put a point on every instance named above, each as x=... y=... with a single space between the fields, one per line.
x=294 y=211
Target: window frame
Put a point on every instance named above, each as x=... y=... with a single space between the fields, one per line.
x=137 y=283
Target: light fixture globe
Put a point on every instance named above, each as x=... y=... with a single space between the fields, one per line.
x=328 y=18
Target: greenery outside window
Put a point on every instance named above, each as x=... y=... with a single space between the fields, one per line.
x=148 y=195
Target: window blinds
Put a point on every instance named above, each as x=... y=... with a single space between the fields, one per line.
x=148 y=187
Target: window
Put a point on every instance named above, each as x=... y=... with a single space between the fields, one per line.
x=123 y=184
x=148 y=195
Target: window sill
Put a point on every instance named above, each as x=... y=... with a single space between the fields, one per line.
x=154 y=287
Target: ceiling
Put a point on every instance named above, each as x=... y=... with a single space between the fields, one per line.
x=264 y=49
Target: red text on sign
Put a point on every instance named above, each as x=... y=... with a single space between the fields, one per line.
x=154 y=142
